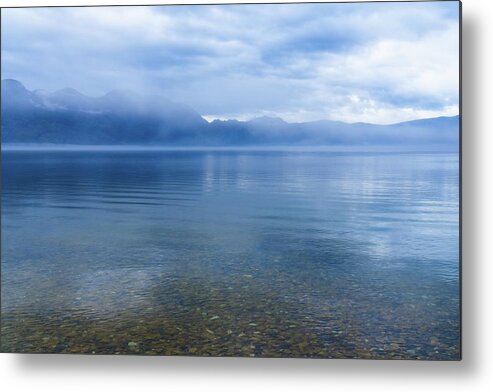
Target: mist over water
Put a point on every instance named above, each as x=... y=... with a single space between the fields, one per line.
x=252 y=253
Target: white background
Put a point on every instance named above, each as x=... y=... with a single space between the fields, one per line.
x=474 y=373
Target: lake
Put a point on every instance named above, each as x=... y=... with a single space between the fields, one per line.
x=231 y=253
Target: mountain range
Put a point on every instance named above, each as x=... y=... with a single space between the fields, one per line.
x=125 y=118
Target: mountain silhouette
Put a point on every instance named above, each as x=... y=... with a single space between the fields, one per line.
x=122 y=117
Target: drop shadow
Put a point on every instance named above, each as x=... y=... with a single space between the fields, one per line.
x=471 y=214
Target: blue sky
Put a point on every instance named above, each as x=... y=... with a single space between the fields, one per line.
x=379 y=63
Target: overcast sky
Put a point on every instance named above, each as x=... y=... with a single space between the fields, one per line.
x=379 y=63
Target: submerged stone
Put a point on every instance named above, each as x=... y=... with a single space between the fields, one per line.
x=133 y=346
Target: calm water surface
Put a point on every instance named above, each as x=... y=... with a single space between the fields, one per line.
x=272 y=254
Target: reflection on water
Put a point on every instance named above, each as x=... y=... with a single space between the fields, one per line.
x=279 y=254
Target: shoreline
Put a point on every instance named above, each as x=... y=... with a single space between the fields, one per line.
x=48 y=147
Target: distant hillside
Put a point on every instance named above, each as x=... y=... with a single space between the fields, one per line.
x=119 y=118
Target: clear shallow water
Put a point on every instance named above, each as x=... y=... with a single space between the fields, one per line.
x=279 y=254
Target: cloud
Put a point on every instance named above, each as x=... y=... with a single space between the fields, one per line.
x=353 y=62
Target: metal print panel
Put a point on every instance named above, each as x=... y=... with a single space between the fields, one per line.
x=232 y=180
